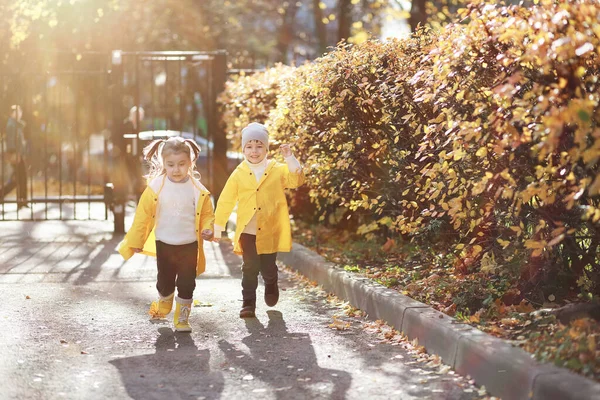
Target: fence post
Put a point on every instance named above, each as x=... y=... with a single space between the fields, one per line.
x=117 y=165
x=220 y=166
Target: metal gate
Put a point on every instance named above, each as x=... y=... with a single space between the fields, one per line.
x=85 y=127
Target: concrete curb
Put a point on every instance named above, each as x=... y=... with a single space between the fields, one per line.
x=506 y=371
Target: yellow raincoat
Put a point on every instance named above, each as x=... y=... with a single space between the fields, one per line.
x=141 y=233
x=266 y=198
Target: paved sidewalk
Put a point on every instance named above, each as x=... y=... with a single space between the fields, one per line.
x=506 y=371
x=74 y=325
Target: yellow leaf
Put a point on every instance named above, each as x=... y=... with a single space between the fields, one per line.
x=503 y=243
x=556 y=240
x=458 y=154
x=535 y=244
x=482 y=152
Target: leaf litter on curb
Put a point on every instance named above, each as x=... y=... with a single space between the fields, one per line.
x=385 y=335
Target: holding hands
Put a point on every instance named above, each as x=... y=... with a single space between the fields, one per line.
x=207 y=234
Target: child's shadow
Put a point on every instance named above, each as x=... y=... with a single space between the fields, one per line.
x=286 y=361
x=178 y=370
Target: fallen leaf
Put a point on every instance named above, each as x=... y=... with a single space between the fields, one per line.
x=198 y=303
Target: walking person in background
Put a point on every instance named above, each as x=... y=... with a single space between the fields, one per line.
x=174 y=215
x=16 y=148
x=263 y=228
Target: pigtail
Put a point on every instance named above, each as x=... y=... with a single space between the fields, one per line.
x=151 y=154
x=195 y=152
x=194 y=147
x=151 y=150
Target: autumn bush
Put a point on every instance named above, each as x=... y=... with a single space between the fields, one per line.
x=250 y=98
x=480 y=137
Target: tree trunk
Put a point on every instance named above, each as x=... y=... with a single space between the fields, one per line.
x=286 y=31
x=344 y=19
x=418 y=15
x=319 y=28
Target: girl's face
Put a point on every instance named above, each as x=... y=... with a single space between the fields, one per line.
x=255 y=151
x=177 y=166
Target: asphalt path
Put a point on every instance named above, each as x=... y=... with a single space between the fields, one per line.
x=74 y=325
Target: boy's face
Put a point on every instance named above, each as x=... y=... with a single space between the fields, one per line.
x=177 y=166
x=255 y=151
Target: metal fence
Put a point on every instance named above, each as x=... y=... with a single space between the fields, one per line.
x=85 y=129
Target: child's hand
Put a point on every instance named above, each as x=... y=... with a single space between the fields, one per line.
x=207 y=234
x=136 y=250
x=285 y=150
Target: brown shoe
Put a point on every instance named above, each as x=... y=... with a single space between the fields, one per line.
x=271 y=294
x=248 y=308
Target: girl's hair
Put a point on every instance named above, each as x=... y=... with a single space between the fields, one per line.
x=158 y=149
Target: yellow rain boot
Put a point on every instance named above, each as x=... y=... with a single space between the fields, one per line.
x=160 y=308
x=183 y=308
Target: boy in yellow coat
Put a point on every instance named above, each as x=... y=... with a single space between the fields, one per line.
x=258 y=186
x=173 y=216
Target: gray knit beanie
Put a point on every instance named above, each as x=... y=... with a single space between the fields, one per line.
x=255 y=131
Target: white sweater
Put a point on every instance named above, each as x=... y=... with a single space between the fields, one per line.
x=176 y=214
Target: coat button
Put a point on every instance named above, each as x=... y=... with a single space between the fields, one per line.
x=197 y=213
x=257 y=190
x=259 y=208
x=259 y=229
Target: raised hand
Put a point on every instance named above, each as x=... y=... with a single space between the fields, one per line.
x=285 y=150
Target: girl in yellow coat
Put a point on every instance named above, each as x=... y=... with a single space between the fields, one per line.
x=263 y=223
x=173 y=216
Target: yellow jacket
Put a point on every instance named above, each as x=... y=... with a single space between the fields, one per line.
x=266 y=198
x=141 y=233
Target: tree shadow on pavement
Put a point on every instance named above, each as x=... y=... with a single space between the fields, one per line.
x=178 y=370
x=67 y=257
x=286 y=361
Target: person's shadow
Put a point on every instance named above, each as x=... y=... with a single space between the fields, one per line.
x=178 y=370
x=286 y=361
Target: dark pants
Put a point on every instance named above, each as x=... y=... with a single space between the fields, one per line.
x=176 y=267
x=21 y=178
x=18 y=180
x=254 y=263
